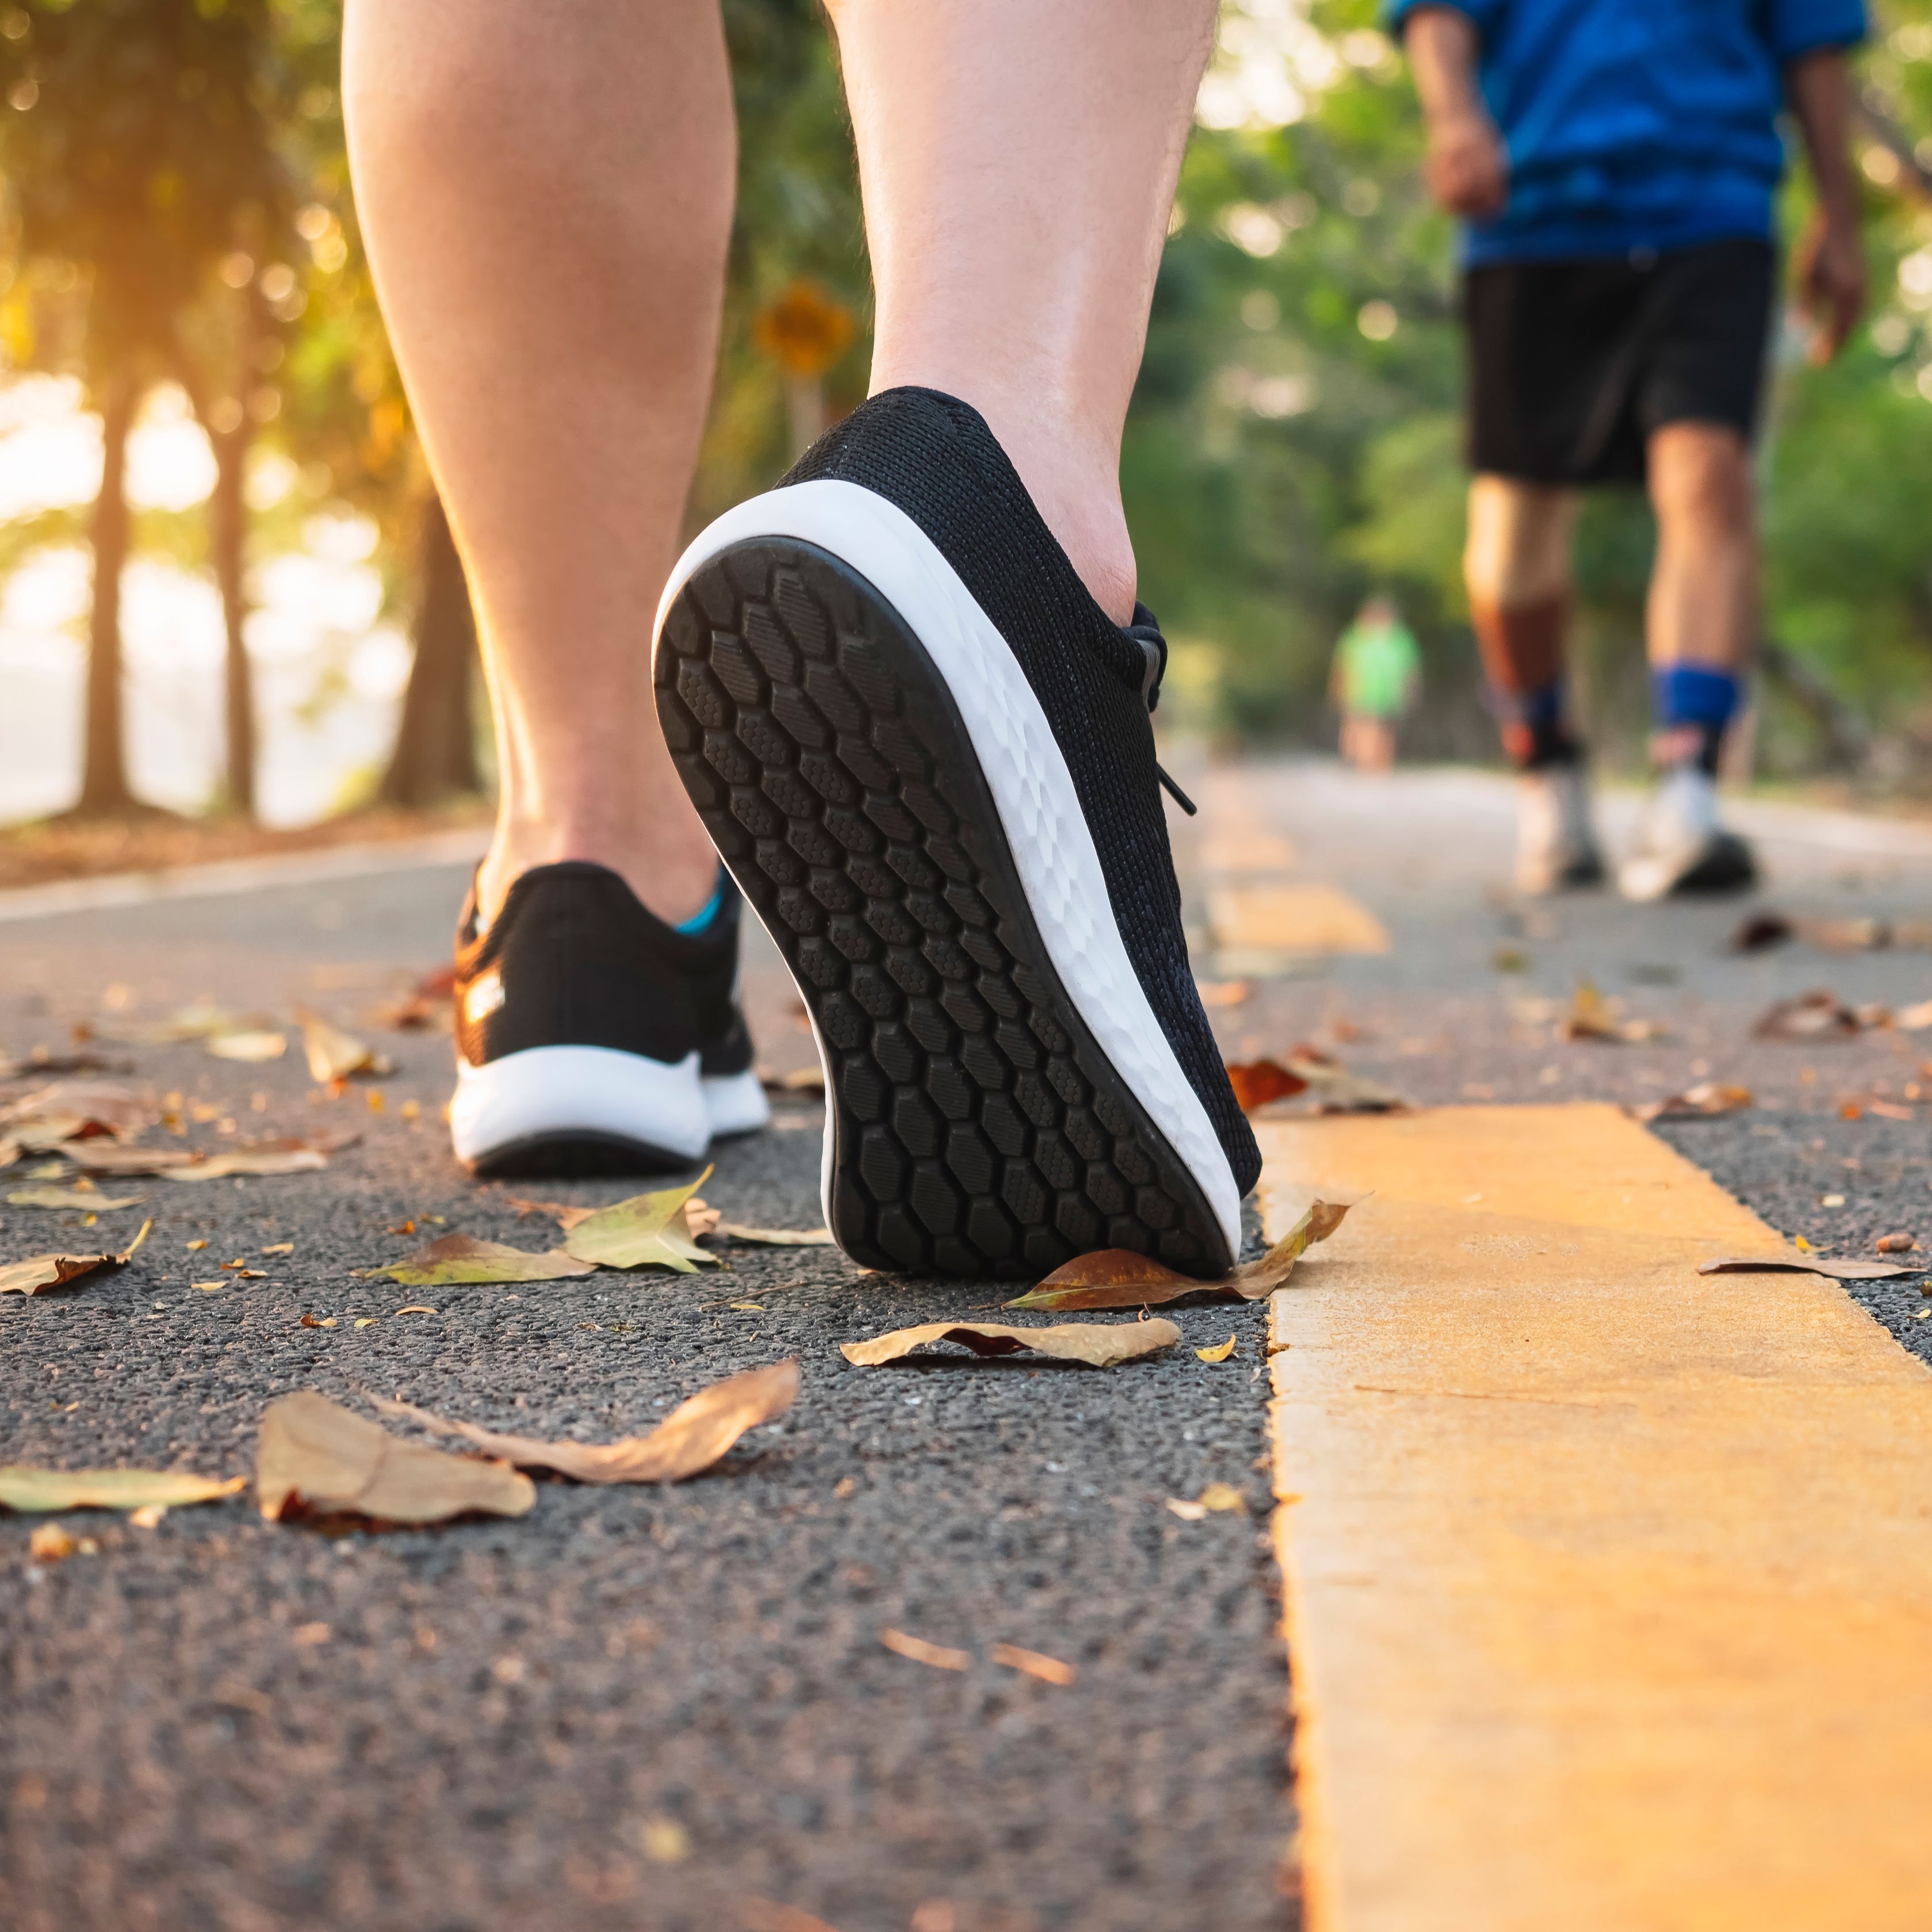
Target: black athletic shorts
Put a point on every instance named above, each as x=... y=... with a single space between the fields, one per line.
x=1573 y=364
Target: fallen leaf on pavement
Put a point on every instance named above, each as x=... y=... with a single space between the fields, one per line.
x=1099 y=1345
x=775 y=1238
x=279 y=1248
x=248 y=1046
x=287 y=1156
x=1900 y=1244
x=416 y=1308
x=109 y=1158
x=1810 y=1264
x=1760 y=932
x=71 y=1197
x=1257 y=1082
x=1118 y=1278
x=690 y=1439
x=38 y=1272
x=1035 y=1663
x=335 y=1055
x=647 y=1231
x=50 y=1543
x=1818 y=1015
x=1220 y=1351
x=427 y=1004
x=1706 y=1098
x=316 y=1456
x=916 y=1648
x=460 y=1258
x=1334 y=1090
x=75 y=1109
x=191 y=1022
x=1217 y=1497
x=24 y=1489
x=1591 y=1016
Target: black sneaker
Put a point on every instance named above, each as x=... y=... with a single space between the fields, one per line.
x=592 y=1038
x=925 y=755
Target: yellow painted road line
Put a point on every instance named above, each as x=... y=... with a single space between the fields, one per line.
x=1609 y=1584
x=1300 y=919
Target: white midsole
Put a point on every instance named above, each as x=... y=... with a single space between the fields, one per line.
x=736 y=1102
x=596 y=1090
x=1052 y=848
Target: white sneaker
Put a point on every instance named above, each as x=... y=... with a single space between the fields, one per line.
x=1682 y=848
x=1555 y=848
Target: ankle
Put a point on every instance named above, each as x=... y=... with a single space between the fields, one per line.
x=673 y=875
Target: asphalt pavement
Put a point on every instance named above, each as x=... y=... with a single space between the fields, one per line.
x=647 y=1707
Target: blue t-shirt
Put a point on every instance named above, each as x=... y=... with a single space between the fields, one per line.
x=1637 y=123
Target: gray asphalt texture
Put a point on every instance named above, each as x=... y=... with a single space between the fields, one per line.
x=647 y=1707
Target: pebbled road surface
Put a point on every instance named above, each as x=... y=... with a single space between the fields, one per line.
x=646 y=1708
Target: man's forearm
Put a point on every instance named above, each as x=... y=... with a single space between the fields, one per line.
x=1442 y=48
x=1820 y=90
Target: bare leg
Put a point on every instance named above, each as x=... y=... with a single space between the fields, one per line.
x=1703 y=602
x=1019 y=161
x=546 y=189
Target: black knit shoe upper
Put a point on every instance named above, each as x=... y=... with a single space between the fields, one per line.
x=935 y=458
x=574 y=959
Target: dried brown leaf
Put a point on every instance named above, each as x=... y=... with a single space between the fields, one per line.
x=335 y=1055
x=1099 y=1345
x=1816 y=1016
x=108 y=1157
x=460 y=1258
x=1334 y=1090
x=1902 y=1243
x=1704 y=1099
x=1591 y=1016
x=1118 y=1278
x=252 y=1047
x=284 y=1157
x=72 y=1109
x=1257 y=1082
x=774 y=1237
x=690 y=1439
x=1812 y=1263
x=22 y=1488
x=935 y=1655
x=316 y=1456
x=38 y=1272
x=89 y=1198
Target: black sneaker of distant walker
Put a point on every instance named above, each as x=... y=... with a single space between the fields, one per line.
x=592 y=1038
x=925 y=755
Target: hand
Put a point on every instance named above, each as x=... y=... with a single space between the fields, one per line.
x=1830 y=283
x=1466 y=167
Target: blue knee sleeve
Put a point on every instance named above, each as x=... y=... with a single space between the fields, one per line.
x=1695 y=698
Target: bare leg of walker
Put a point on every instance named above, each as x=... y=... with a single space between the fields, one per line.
x=1516 y=566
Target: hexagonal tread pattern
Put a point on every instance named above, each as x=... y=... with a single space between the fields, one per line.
x=978 y=1129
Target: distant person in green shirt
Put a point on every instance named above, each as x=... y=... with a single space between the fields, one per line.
x=1377 y=674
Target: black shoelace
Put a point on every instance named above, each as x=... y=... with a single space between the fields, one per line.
x=1145 y=631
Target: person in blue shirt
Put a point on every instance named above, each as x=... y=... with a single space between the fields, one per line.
x=1615 y=163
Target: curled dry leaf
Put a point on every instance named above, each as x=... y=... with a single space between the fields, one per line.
x=1818 y=1015
x=50 y=1543
x=74 y=1109
x=1216 y=1497
x=253 y=1047
x=1902 y=1243
x=191 y=1022
x=646 y=1231
x=1257 y=1082
x=1811 y=1264
x=1118 y=1278
x=690 y=1439
x=936 y=1655
x=38 y=1272
x=1334 y=1090
x=460 y=1258
x=284 y=1157
x=1591 y=1016
x=1705 y=1100
x=335 y=1055
x=90 y=1198
x=105 y=1157
x=1220 y=1351
x=774 y=1237
x=1099 y=1345
x=316 y=1456
x=25 y=1488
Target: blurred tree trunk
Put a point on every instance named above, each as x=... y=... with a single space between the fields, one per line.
x=436 y=745
x=104 y=793
x=228 y=541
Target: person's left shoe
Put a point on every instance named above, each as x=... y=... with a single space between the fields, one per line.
x=591 y=1037
x=1683 y=850
x=925 y=753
